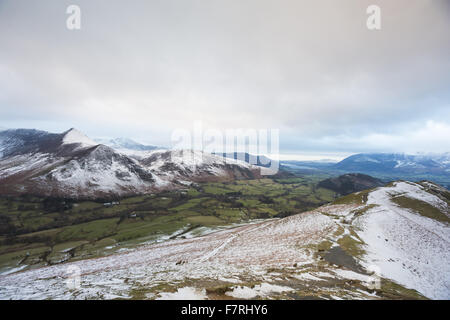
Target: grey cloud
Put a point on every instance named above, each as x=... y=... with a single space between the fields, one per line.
x=309 y=68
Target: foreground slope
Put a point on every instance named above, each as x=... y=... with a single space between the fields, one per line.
x=391 y=242
x=408 y=237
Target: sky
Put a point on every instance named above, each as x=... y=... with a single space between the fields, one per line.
x=311 y=69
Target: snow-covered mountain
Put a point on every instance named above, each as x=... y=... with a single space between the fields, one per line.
x=125 y=144
x=72 y=165
x=259 y=160
x=385 y=166
x=396 y=162
x=388 y=243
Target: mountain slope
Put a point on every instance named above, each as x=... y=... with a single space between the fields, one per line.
x=404 y=242
x=29 y=141
x=363 y=246
x=71 y=165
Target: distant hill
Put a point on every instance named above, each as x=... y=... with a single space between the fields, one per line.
x=350 y=183
x=396 y=163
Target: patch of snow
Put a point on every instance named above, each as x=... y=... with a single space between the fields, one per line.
x=348 y=274
x=13 y=270
x=29 y=163
x=306 y=276
x=407 y=189
x=186 y=293
x=260 y=290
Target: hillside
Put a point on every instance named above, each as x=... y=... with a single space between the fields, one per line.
x=389 y=242
x=350 y=183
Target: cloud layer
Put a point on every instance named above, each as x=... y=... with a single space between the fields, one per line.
x=311 y=69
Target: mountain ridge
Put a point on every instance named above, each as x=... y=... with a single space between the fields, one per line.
x=72 y=165
x=385 y=166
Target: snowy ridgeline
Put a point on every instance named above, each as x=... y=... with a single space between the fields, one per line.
x=72 y=165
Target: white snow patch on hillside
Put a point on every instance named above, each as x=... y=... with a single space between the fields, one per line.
x=2 y=146
x=306 y=276
x=96 y=174
x=13 y=270
x=408 y=248
x=407 y=189
x=187 y=293
x=348 y=274
x=260 y=290
x=27 y=163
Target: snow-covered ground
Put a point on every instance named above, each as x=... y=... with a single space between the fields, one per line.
x=248 y=249
x=260 y=290
x=187 y=293
x=409 y=248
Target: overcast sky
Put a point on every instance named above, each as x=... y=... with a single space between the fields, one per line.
x=312 y=69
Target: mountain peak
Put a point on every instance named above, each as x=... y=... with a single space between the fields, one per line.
x=73 y=136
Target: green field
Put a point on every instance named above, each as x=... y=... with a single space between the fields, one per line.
x=36 y=231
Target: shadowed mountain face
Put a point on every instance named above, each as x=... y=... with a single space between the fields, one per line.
x=349 y=183
x=72 y=165
x=30 y=141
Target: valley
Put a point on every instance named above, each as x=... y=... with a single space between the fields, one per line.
x=45 y=231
